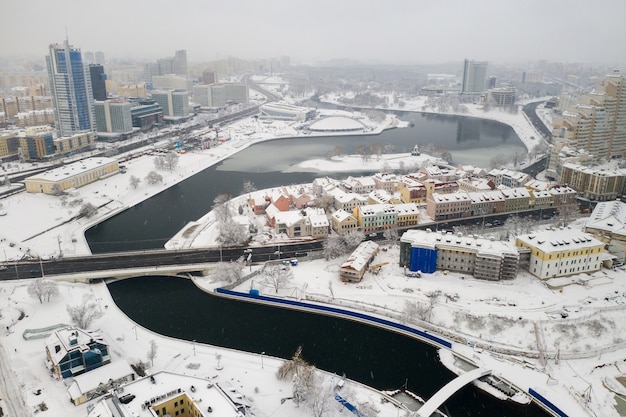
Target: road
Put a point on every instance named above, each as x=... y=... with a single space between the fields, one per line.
x=258 y=254
x=150 y=259
x=10 y=392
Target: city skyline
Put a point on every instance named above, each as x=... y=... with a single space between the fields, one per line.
x=400 y=32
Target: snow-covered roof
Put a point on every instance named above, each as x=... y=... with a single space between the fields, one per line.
x=341 y=215
x=609 y=216
x=518 y=192
x=366 y=181
x=381 y=196
x=406 y=209
x=541 y=194
x=538 y=185
x=336 y=124
x=562 y=190
x=430 y=239
x=289 y=218
x=152 y=391
x=603 y=172
x=450 y=197
x=476 y=183
x=361 y=255
x=486 y=196
x=373 y=209
x=83 y=383
x=558 y=240
x=67 y=339
x=319 y=220
x=70 y=170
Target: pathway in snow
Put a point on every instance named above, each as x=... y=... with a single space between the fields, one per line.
x=10 y=392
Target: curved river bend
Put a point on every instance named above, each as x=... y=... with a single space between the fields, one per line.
x=177 y=308
x=382 y=359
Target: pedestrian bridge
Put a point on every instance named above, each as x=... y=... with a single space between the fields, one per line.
x=449 y=390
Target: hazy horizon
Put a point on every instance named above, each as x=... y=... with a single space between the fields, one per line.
x=404 y=31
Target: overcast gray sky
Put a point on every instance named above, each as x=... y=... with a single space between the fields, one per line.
x=399 y=31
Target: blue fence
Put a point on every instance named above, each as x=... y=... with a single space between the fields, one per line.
x=323 y=309
x=557 y=411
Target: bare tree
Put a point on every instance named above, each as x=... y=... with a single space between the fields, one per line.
x=154 y=177
x=498 y=160
x=567 y=213
x=334 y=246
x=518 y=157
x=276 y=276
x=170 y=161
x=324 y=201
x=87 y=210
x=320 y=398
x=84 y=314
x=134 y=181
x=228 y=271
x=232 y=233
x=152 y=353
x=365 y=152
x=248 y=187
x=391 y=235
x=414 y=310
x=353 y=238
x=221 y=208
x=56 y=190
x=43 y=289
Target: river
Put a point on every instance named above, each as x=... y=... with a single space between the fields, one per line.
x=384 y=360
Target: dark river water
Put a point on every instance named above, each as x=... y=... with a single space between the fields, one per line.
x=381 y=359
x=175 y=307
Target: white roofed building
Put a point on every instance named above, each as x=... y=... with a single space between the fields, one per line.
x=427 y=251
x=74 y=175
x=72 y=351
x=562 y=252
x=284 y=111
x=448 y=206
x=353 y=268
x=517 y=199
x=359 y=185
x=343 y=222
x=169 y=394
x=608 y=224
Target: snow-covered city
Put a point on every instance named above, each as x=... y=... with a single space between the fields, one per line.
x=474 y=206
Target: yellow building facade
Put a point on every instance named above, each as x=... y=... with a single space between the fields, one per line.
x=75 y=175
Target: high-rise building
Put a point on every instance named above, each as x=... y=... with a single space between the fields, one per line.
x=98 y=82
x=99 y=58
x=165 y=66
x=597 y=124
x=88 y=58
x=175 y=103
x=70 y=88
x=113 y=117
x=474 y=76
x=180 y=63
x=209 y=77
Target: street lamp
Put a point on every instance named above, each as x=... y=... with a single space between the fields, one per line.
x=262 y=353
x=135 y=328
x=193 y=344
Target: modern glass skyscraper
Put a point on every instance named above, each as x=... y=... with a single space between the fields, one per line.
x=474 y=76
x=70 y=88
